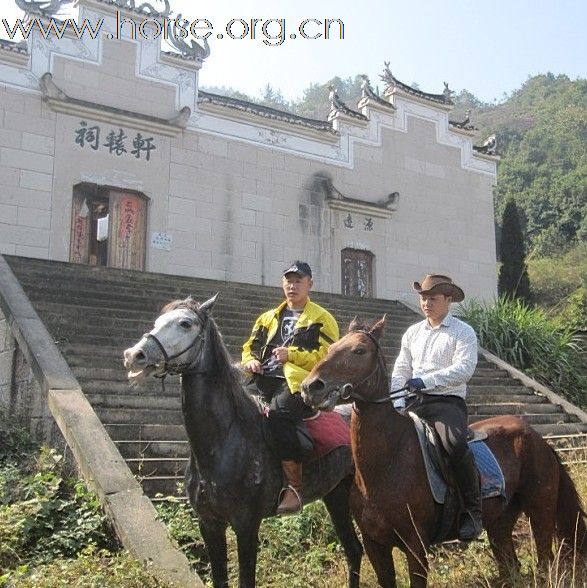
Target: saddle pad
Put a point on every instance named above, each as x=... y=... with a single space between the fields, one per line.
x=426 y=439
x=328 y=431
x=492 y=480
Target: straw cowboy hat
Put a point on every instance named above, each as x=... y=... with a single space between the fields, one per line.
x=438 y=284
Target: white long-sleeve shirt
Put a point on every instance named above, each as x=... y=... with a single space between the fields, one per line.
x=444 y=357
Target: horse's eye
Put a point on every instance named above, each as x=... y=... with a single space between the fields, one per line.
x=185 y=325
x=358 y=351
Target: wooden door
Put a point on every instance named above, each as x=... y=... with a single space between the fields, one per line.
x=127 y=230
x=357 y=273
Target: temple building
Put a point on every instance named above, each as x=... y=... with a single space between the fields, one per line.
x=111 y=155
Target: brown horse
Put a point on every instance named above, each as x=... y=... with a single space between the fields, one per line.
x=391 y=499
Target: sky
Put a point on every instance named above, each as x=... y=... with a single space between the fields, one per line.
x=489 y=47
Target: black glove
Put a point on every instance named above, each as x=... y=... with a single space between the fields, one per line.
x=415 y=384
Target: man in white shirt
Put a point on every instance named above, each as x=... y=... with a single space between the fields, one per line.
x=437 y=358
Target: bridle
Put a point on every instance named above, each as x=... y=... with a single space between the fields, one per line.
x=349 y=390
x=167 y=370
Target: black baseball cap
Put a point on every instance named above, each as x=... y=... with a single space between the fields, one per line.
x=301 y=268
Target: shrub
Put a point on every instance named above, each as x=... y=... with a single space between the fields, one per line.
x=44 y=516
x=530 y=340
x=556 y=278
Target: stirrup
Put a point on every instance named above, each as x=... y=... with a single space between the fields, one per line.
x=298 y=497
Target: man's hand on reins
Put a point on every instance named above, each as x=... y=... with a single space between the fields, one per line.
x=415 y=384
x=281 y=354
x=254 y=366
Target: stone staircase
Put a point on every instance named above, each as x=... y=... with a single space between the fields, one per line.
x=94 y=313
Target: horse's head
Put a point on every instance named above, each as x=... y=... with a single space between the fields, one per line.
x=175 y=342
x=353 y=369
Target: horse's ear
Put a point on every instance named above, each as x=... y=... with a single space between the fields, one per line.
x=377 y=329
x=354 y=324
x=209 y=304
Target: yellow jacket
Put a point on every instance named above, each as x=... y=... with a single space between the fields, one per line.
x=315 y=331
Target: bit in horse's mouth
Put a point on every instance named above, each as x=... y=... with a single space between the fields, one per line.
x=135 y=376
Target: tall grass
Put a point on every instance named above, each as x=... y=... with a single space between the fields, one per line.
x=529 y=339
x=302 y=552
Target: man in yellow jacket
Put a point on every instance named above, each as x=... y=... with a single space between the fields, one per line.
x=285 y=344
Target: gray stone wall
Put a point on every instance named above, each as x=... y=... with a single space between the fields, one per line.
x=21 y=397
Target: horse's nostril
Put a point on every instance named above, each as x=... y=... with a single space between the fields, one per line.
x=140 y=357
x=316 y=385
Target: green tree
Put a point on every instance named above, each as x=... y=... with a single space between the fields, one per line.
x=513 y=274
x=274 y=99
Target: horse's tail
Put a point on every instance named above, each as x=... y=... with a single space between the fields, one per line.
x=570 y=518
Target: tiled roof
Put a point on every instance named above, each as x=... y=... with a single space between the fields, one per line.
x=13 y=46
x=265 y=111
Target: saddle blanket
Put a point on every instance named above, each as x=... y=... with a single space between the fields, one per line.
x=328 y=431
x=492 y=480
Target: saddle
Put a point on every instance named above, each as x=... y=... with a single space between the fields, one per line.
x=440 y=479
x=318 y=435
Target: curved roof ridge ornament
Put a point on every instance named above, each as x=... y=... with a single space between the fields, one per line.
x=45 y=8
x=465 y=124
x=193 y=51
x=387 y=77
x=489 y=146
x=392 y=84
x=338 y=106
x=367 y=93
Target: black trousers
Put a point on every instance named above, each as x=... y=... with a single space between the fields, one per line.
x=448 y=416
x=286 y=410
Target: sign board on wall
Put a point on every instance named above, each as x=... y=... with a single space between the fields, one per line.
x=161 y=241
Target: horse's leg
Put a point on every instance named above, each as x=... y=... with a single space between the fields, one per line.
x=382 y=561
x=337 y=504
x=542 y=515
x=417 y=565
x=499 y=532
x=214 y=535
x=247 y=538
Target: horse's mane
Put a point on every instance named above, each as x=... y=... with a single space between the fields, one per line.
x=229 y=377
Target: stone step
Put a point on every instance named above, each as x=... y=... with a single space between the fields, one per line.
x=532 y=419
x=513 y=408
x=140 y=401
x=158 y=466
x=145 y=432
x=148 y=387
x=566 y=429
x=164 y=486
x=80 y=307
x=227 y=325
x=512 y=387
x=498 y=399
x=254 y=303
x=153 y=449
x=139 y=416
